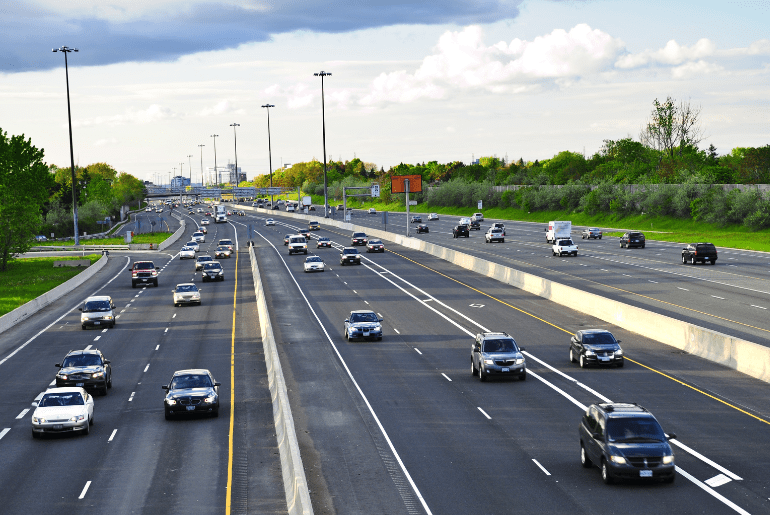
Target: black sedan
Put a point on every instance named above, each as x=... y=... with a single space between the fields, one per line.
x=595 y=347
x=191 y=391
x=358 y=238
x=350 y=256
x=86 y=369
x=461 y=230
x=422 y=228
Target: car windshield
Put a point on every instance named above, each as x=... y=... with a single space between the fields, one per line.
x=81 y=360
x=197 y=234
x=191 y=381
x=565 y=243
x=204 y=258
x=96 y=305
x=223 y=248
x=641 y=429
x=298 y=240
x=359 y=234
x=211 y=266
x=313 y=259
x=599 y=339
x=143 y=266
x=501 y=345
x=323 y=239
x=350 y=251
x=191 y=244
x=225 y=242
x=375 y=242
x=186 y=287
x=363 y=317
x=61 y=399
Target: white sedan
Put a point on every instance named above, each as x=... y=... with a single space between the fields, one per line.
x=205 y=221
x=314 y=264
x=433 y=216
x=186 y=293
x=269 y=221
x=372 y=211
x=194 y=245
x=187 y=253
x=199 y=237
x=63 y=410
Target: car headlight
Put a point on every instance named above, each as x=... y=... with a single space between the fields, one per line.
x=221 y=272
x=97 y=375
x=77 y=418
x=36 y=420
x=107 y=317
x=83 y=317
x=619 y=352
x=620 y=460
x=489 y=362
x=519 y=361
x=211 y=399
x=590 y=353
x=170 y=402
x=668 y=460
x=62 y=377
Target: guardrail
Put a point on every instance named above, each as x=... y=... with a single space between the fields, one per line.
x=294 y=480
x=742 y=355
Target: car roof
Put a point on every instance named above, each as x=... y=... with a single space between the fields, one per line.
x=99 y=297
x=203 y=257
x=623 y=409
x=361 y=311
x=190 y=371
x=496 y=335
x=84 y=351
x=593 y=331
x=185 y=284
x=65 y=389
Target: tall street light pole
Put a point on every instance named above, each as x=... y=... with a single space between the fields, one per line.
x=181 y=181
x=201 y=147
x=323 y=74
x=65 y=50
x=215 y=136
x=269 y=149
x=235 y=139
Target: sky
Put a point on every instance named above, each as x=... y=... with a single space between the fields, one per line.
x=411 y=81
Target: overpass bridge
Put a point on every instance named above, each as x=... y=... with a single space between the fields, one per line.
x=199 y=191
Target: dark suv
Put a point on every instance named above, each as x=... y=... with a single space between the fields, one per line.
x=85 y=369
x=703 y=252
x=632 y=239
x=358 y=238
x=350 y=256
x=461 y=230
x=144 y=272
x=595 y=347
x=626 y=442
x=496 y=354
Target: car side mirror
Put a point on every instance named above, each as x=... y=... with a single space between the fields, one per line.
x=347 y=320
x=173 y=291
x=618 y=341
x=80 y=309
x=58 y=365
x=107 y=362
x=522 y=349
x=670 y=436
x=165 y=387
x=596 y=435
x=217 y=384
x=379 y=319
x=157 y=268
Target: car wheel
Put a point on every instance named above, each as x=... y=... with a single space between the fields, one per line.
x=584 y=459
x=109 y=382
x=473 y=368
x=713 y=261
x=584 y=236
x=88 y=428
x=502 y=241
x=103 y=390
x=215 y=413
x=600 y=237
x=523 y=377
x=684 y=260
x=571 y=356
x=91 y=422
x=133 y=285
x=35 y=434
x=156 y=284
x=692 y=260
x=482 y=377
x=168 y=415
x=112 y=326
x=582 y=361
x=642 y=246
x=606 y=476
x=621 y=244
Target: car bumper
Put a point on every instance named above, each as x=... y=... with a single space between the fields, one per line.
x=358 y=242
x=88 y=384
x=96 y=322
x=192 y=409
x=629 y=471
x=509 y=370
x=350 y=261
x=601 y=362
x=179 y=300
x=635 y=244
x=360 y=334
x=60 y=427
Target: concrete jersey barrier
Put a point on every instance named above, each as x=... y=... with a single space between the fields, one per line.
x=172 y=239
x=294 y=480
x=33 y=306
x=744 y=356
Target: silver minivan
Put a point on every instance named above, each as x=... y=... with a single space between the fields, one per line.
x=97 y=311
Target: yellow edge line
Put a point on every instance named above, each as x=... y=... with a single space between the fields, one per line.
x=228 y=502
x=570 y=332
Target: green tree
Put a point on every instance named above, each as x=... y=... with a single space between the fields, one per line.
x=672 y=127
x=24 y=183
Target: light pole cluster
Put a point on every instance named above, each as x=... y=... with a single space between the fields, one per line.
x=323 y=74
x=235 y=140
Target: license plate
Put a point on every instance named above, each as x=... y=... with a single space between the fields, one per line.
x=366 y=333
x=192 y=408
x=144 y=280
x=97 y=323
x=506 y=369
x=57 y=426
x=645 y=473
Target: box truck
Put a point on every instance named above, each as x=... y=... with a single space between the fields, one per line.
x=558 y=230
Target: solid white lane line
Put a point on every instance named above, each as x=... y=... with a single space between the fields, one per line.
x=19 y=348
x=713 y=492
x=21 y=415
x=366 y=302
x=541 y=467
x=446 y=376
x=85 y=489
x=705 y=460
x=399 y=332
x=117 y=316
x=685 y=289
x=722 y=298
x=418 y=351
x=483 y=412
x=656 y=282
x=97 y=338
x=132 y=397
x=4 y=432
x=147 y=367
x=112 y=435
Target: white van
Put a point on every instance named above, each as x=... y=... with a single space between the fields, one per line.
x=465 y=221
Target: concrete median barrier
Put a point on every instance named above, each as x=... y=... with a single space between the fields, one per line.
x=174 y=237
x=744 y=356
x=294 y=480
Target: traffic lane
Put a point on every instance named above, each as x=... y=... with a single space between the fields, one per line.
x=142 y=222
x=374 y=355
x=698 y=371
x=348 y=466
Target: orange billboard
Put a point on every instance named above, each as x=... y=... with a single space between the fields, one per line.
x=397 y=184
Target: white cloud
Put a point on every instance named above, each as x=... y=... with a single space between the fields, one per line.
x=152 y=114
x=672 y=54
x=296 y=96
x=693 y=69
x=223 y=107
x=105 y=141
x=462 y=60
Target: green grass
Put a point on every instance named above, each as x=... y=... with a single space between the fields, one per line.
x=149 y=237
x=28 y=278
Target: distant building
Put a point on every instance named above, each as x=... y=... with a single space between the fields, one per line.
x=180 y=182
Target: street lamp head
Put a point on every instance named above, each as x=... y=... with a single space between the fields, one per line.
x=215 y=135
x=268 y=105
x=64 y=49
x=322 y=74
x=235 y=125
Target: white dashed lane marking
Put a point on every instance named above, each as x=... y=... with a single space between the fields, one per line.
x=112 y=435
x=85 y=489
x=21 y=415
x=132 y=397
x=484 y=413
x=4 y=432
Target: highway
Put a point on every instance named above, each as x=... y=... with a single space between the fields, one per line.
x=395 y=426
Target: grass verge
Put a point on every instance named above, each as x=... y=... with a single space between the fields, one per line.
x=29 y=278
x=150 y=237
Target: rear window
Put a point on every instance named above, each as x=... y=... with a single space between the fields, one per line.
x=706 y=246
x=298 y=240
x=359 y=235
x=350 y=251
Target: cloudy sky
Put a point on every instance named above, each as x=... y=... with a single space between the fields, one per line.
x=411 y=81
